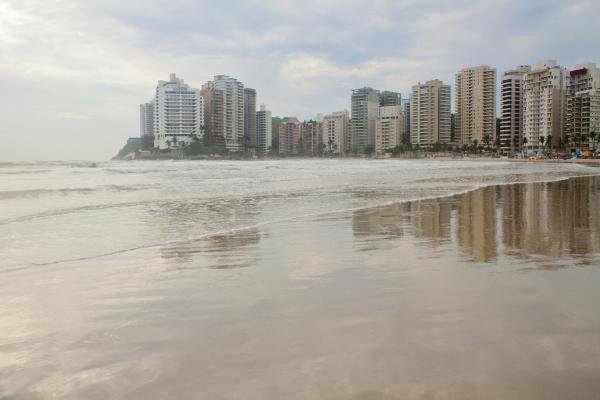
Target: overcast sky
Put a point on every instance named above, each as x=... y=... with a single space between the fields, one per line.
x=73 y=73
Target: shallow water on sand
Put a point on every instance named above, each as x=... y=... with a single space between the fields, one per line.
x=299 y=280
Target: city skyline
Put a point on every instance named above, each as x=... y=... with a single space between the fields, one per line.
x=80 y=85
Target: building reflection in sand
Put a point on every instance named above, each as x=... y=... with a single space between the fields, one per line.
x=547 y=220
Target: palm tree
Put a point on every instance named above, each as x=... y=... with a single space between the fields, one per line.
x=549 y=143
x=475 y=145
x=487 y=139
x=593 y=138
x=523 y=144
x=542 y=140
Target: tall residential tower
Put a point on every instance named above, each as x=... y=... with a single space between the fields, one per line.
x=147 y=119
x=225 y=112
x=430 y=113
x=364 y=109
x=388 y=129
x=249 y=118
x=511 y=125
x=389 y=98
x=476 y=104
x=544 y=104
x=336 y=129
x=263 y=130
x=583 y=105
x=290 y=131
x=178 y=114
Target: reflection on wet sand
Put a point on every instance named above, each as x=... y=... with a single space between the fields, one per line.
x=551 y=219
x=386 y=221
x=431 y=220
x=476 y=224
x=221 y=251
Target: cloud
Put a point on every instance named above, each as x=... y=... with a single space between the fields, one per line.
x=77 y=70
x=577 y=8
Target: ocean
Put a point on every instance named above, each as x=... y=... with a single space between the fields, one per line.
x=299 y=279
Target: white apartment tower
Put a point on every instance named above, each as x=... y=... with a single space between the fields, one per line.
x=147 y=119
x=476 y=104
x=583 y=106
x=544 y=100
x=388 y=129
x=178 y=114
x=511 y=125
x=336 y=129
x=264 y=134
x=430 y=113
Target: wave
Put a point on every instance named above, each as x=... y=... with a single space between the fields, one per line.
x=73 y=164
x=471 y=184
x=325 y=214
x=35 y=193
x=24 y=172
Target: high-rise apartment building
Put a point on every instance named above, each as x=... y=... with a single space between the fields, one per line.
x=290 y=131
x=476 y=104
x=147 y=119
x=178 y=114
x=544 y=104
x=310 y=137
x=389 y=98
x=364 y=109
x=405 y=109
x=336 y=129
x=511 y=125
x=430 y=113
x=263 y=130
x=388 y=129
x=225 y=110
x=249 y=118
x=583 y=106
x=210 y=99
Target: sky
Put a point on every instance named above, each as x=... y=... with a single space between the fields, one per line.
x=73 y=73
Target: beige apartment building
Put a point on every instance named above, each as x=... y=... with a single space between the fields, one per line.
x=544 y=104
x=476 y=104
x=388 y=128
x=224 y=108
x=430 y=113
x=310 y=137
x=583 y=106
x=336 y=129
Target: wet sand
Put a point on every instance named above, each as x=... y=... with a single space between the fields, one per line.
x=490 y=294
